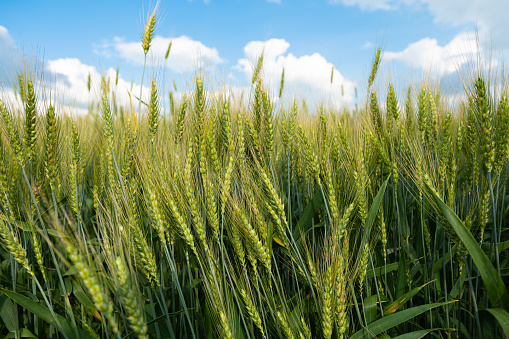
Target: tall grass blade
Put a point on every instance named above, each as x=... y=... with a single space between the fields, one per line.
x=502 y=317
x=44 y=313
x=497 y=291
x=386 y=323
x=416 y=334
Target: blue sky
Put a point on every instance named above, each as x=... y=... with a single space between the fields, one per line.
x=73 y=38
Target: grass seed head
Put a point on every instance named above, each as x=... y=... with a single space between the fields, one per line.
x=374 y=69
x=168 y=50
x=148 y=33
x=153 y=115
x=30 y=121
x=51 y=148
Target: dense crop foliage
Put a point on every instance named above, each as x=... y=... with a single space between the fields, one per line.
x=248 y=219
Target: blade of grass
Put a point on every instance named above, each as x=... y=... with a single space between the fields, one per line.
x=44 y=313
x=416 y=334
x=394 y=306
x=388 y=322
x=502 y=317
x=373 y=211
x=497 y=291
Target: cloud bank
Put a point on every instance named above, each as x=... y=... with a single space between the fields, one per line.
x=186 y=54
x=428 y=54
x=487 y=17
x=8 y=52
x=307 y=73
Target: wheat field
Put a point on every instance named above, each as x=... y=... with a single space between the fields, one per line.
x=229 y=217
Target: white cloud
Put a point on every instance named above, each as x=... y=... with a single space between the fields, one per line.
x=8 y=96
x=458 y=12
x=274 y=1
x=307 y=73
x=186 y=54
x=65 y=80
x=6 y=41
x=455 y=12
x=7 y=52
x=71 y=83
x=489 y=16
x=72 y=77
x=428 y=54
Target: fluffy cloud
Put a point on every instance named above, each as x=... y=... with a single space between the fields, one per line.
x=71 y=78
x=428 y=54
x=186 y=54
x=489 y=16
x=71 y=83
x=455 y=12
x=458 y=12
x=7 y=52
x=66 y=82
x=307 y=73
x=6 y=42
x=65 y=79
x=8 y=96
